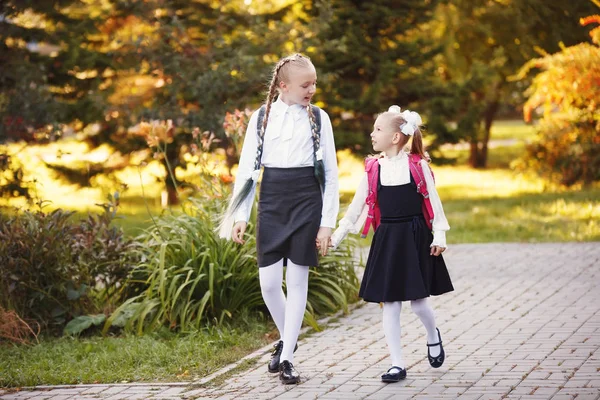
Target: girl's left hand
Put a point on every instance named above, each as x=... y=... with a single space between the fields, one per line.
x=437 y=250
x=322 y=241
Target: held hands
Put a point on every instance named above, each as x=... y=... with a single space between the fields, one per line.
x=323 y=240
x=437 y=250
x=237 y=235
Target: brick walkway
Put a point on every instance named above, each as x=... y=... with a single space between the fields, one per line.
x=523 y=323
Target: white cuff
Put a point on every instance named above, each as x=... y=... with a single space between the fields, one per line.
x=337 y=236
x=439 y=239
x=346 y=225
x=327 y=222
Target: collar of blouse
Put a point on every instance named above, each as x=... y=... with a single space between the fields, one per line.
x=402 y=155
x=279 y=123
x=279 y=108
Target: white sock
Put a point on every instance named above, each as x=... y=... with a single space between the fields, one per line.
x=425 y=313
x=391 y=328
x=271 y=279
x=296 y=282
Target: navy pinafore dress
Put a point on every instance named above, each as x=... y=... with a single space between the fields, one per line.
x=400 y=266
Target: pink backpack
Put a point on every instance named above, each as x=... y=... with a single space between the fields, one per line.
x=374 y=214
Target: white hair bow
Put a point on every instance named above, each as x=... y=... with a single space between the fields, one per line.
x=413 y=120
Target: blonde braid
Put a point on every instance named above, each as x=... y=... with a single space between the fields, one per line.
x=313 y=129
x=270 y=96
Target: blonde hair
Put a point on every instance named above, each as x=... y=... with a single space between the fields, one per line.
x=395 y=121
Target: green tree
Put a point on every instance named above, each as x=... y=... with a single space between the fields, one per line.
x=51 y=74
x=566 y=90
x=485 y=42
x=190 y=63
x=116 y=64
x=373 y=55
x=51 y=67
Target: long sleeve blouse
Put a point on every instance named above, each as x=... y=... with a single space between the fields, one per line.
x=288 y=143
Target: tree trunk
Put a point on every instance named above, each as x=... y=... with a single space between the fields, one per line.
x=479 y=148
x=474 y=153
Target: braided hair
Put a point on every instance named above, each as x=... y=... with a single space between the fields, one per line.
x=280 y=74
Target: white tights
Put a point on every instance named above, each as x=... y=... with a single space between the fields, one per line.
x=287 y=313
x=391 y=327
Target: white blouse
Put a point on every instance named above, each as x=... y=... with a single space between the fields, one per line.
x=288 y=143
x=394 y=171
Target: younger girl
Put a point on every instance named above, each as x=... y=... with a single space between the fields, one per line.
x=405 y=261
x=298 y=201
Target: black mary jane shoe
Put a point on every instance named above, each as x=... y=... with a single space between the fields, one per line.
x=276 y=355
x=287 y=373
x=438 y=360
x=396 y=376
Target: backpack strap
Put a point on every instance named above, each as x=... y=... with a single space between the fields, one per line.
x=416 y=170
x=261 y=117
x=373 y=213
x=315 y=132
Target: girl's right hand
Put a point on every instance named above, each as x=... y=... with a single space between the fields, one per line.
x=238 y=232
x=437 y=250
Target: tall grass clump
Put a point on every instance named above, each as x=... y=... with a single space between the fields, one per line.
x=190 y=278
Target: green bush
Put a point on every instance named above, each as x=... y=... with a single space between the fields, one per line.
x=189 y=277
x=55 y=268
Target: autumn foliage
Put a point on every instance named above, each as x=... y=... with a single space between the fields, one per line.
x=565 y=94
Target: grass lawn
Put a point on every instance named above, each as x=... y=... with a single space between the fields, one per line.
x=149 y=358
x=498 y=206
x=512 y=129
x=498 y=156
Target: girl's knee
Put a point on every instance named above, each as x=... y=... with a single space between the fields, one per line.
x=296 y=277
x=270 y=285
x=420 y=306
x=394 y=307
x=297 y=282
x=271 y=278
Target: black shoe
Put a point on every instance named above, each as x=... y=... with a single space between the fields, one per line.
x=287 y=373
x=437 y=361
x=396 y=376
x=274 y=363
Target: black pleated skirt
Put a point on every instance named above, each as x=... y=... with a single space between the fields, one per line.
x=289 y=215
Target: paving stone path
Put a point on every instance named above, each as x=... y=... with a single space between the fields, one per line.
x=522 y=323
